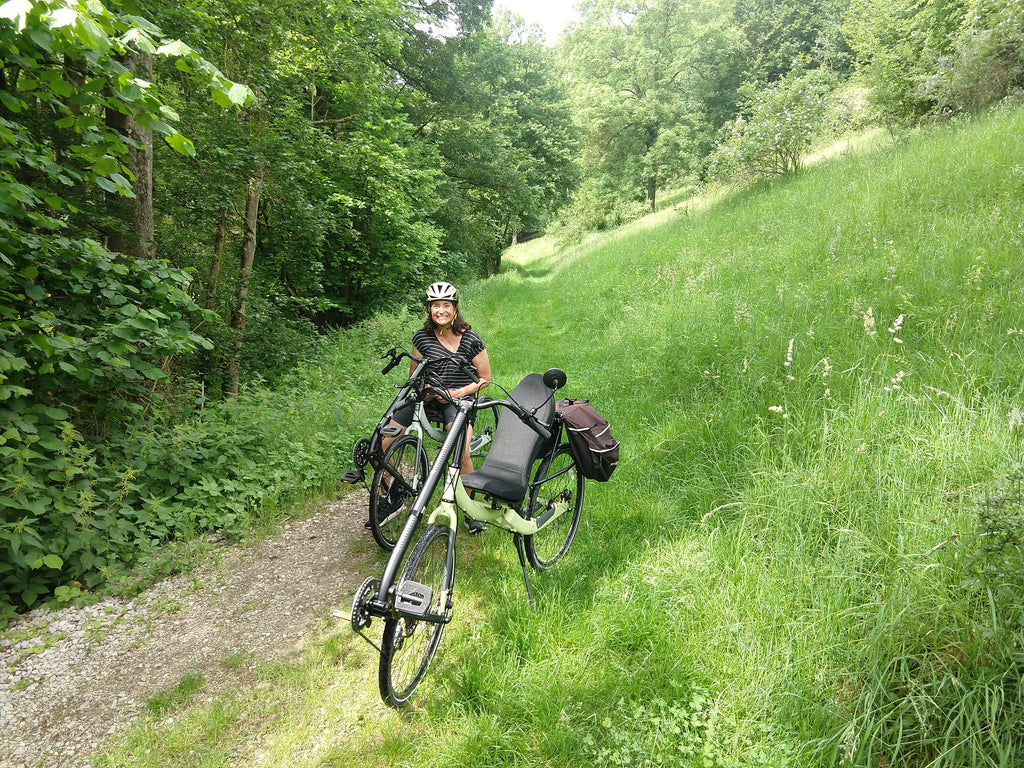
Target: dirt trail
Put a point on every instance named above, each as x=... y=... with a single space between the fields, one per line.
x=70 y=678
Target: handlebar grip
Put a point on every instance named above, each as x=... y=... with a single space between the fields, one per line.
x=389 y=366
x=536 y=425
x=468 y=368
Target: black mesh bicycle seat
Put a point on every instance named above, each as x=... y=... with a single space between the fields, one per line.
x=505 y=473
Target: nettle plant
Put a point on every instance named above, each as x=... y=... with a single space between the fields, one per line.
x=84 y=332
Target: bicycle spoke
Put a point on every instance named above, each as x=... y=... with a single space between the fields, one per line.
x=557 y=482
x=394 y=488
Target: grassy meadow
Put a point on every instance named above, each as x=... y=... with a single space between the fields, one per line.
x=810 y=554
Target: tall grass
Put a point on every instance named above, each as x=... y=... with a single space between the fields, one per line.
x=817 y=382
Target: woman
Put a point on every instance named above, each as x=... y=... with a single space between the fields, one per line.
x=446 y=336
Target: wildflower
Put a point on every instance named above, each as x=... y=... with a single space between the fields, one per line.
x=778 y=409
x=895 y=382
x=1016 y=419
x=894 y=329
x=869 y=322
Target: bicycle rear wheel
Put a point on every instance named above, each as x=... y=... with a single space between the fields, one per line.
x=409 y=644
x=557 y=480
x=390 y=500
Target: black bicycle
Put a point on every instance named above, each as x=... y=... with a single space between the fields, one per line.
x=407 y=456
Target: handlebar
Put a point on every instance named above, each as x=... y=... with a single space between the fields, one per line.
x=394 y=357
x=524 y=415
x=418 y=377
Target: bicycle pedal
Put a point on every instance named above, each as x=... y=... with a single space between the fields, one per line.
x=413 y=598
x=392 y=430
x=352 y=476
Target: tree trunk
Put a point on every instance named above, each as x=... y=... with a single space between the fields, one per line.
x=252 y=207
x=134 y=234
x=493 y=261
x=652 y=192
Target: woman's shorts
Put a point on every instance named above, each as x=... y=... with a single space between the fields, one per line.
x=437 y=411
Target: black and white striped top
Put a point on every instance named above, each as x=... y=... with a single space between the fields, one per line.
x=470 y=345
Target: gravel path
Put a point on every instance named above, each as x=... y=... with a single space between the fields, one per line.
x=70 y=678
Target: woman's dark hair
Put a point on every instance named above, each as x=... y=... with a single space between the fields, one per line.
x=458 y=326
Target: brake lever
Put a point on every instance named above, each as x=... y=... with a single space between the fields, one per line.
x=395 y=357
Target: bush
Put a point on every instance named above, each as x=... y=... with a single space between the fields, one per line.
x=776 y=129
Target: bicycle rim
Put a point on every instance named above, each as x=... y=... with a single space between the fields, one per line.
x=409 y=644
x=390 y=502
x=560 y=481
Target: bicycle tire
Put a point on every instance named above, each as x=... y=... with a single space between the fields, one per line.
x=549 y=545
x=389 y=508
x=484 y=427
x=409 y=644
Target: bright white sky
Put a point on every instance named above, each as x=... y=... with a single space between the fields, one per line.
x=551 y=15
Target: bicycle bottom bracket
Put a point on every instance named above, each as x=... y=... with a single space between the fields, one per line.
x=360 y=616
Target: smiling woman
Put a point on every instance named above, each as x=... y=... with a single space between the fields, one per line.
x=446 y=336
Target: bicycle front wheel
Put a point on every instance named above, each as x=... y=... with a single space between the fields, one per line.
x=409 y=644
x=390 y=500
x=557 y=480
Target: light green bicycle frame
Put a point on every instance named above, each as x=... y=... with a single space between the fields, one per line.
x=488 y=510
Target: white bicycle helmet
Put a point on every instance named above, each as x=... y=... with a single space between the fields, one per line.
x=442 y=291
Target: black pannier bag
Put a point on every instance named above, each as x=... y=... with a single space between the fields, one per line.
x=590 y=439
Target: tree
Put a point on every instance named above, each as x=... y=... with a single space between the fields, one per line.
x=777 y=126
x=505 y=138
x=782 y=32
x=84 y=332
x=645 y=74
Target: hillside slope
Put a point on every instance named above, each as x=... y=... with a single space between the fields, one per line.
x=810 y=553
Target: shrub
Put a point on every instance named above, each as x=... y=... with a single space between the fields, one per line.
x=776 y=128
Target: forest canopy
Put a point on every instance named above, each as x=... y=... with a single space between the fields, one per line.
x=194 y=193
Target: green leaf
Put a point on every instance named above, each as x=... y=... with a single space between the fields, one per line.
x=105 y=166
x=89 y=32
x=51 y=442
x=181 y=145
x=11 y=102
x=174 y=48
x=222 y=99
x=123 y=185
x=139 y=39
x=50 y=561
x=239 y=94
